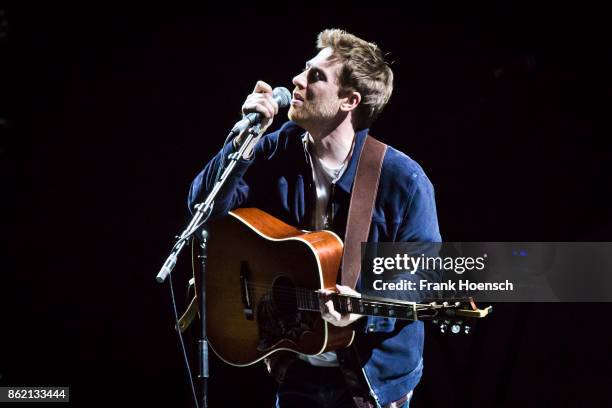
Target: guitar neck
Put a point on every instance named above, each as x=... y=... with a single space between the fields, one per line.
x=365 y=305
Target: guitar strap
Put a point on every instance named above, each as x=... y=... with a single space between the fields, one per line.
x=358 y=221
x=361 y=206
x=363 y=197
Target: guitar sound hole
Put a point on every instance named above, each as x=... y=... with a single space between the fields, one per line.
x=278 y=316
x=284 y=295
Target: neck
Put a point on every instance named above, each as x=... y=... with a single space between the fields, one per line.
x=333 y=145
x=364 y=305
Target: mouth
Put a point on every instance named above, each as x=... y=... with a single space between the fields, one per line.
x=297 y=97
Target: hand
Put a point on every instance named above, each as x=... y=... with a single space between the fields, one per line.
x=261 y=101
x=329 y=314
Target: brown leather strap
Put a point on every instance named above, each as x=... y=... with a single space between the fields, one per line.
x=190 y=313
x=361 y=206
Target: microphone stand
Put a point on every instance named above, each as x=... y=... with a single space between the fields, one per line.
x=196 y=225
x=203 y=341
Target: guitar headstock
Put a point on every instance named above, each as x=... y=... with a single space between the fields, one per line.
x=453 y=316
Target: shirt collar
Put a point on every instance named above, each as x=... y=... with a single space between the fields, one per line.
x=346 y=180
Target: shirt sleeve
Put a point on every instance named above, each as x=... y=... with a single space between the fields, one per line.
x=235 y=191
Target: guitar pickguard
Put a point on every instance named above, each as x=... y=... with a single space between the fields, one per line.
x=279 y=318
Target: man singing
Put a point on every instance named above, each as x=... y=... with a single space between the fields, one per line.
x=303 y=174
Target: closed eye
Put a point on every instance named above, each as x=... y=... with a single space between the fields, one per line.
x=315 y=75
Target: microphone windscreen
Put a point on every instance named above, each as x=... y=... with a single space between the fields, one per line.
x=282 y=96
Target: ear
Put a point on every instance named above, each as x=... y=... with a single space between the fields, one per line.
x=351 y=101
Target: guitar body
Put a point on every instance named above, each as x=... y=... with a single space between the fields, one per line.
x=256 y=268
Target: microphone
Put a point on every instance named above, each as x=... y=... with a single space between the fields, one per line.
x=281 y=96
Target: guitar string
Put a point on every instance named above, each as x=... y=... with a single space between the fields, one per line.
x=306 y=301
x=263 y=287
x=311 y=294
x=293 y=292
x=307 y=305
x=307 y=297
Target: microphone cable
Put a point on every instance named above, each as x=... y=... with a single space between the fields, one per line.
x=182 y=344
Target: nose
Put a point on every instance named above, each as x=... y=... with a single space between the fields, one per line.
x=300 y=80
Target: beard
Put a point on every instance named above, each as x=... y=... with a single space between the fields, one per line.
x=299 y=115
x=308 y=113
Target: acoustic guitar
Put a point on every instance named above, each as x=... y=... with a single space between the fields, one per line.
x=263 y=283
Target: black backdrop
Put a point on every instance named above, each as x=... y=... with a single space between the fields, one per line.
x=109 y=111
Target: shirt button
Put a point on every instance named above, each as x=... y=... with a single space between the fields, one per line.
x=371 y=328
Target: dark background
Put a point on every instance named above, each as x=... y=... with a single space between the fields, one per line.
x=108 y=111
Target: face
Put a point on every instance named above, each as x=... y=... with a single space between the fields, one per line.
x=315 y=97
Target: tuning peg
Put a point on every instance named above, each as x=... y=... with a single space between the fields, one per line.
x=456 y=328
x=466 y=329
x=444 y=326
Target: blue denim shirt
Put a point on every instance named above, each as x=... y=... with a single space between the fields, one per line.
x=279 y=181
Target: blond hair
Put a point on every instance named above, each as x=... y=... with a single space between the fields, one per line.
x=363 y=70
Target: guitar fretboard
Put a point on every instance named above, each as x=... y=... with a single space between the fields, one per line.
x=368 y=306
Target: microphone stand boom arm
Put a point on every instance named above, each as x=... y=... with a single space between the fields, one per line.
x=204 y=208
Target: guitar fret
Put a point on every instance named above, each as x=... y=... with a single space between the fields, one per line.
x=309 y=300
x=360 y=306
x=342 y=305
x=302 y=301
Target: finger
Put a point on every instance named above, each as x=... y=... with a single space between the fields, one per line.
x=324 y=301
x=325 y=294
x=273 y=102
x=262 y=87
x=259 y=104
x=268 y=100
x=330 y=310
x=347 y=290
x=271 y=106
x=265 y=100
